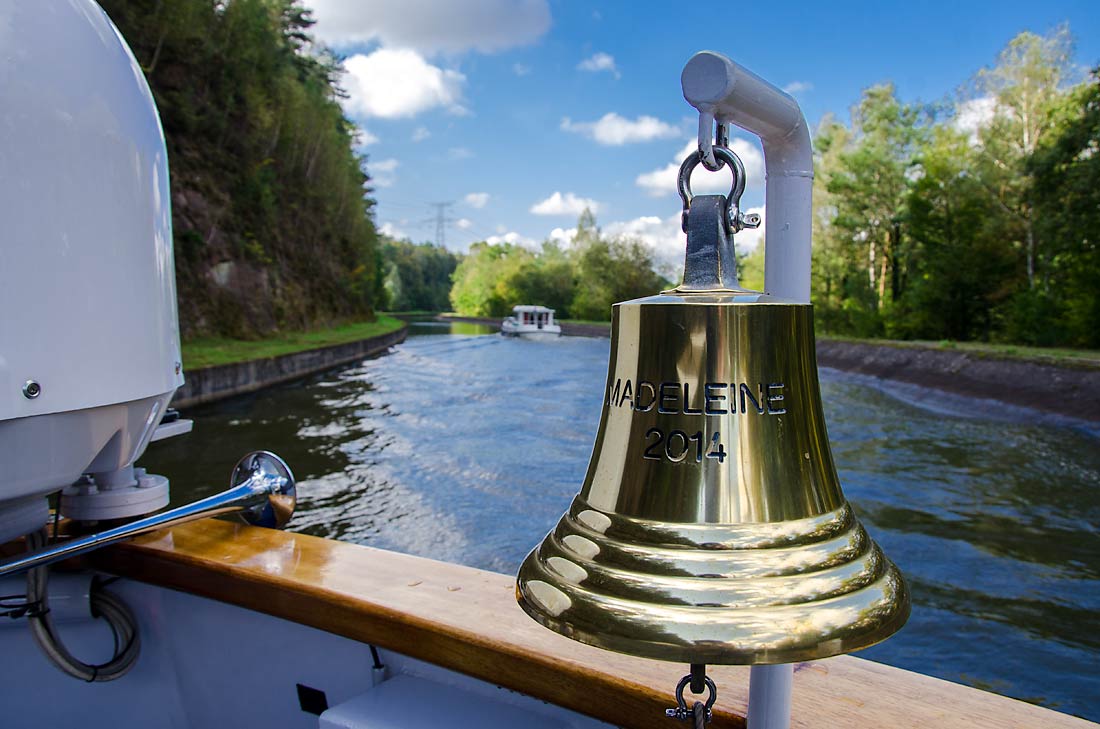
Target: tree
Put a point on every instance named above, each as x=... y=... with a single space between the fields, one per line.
x=958 y=260
x=838 y=282
x=1029 y=77
x=607 y=271
x=1065 y=191
x=482 y=281
x=871 y=182
x=418 y=276
x=545 y=279
x=581 y=282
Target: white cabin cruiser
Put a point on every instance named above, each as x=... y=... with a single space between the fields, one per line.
x=173 y=621
x=530 y=322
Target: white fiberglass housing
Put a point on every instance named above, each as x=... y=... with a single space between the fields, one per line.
x=89 y=341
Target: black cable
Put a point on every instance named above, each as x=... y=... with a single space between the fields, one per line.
x=18 y=606
x=103 y=604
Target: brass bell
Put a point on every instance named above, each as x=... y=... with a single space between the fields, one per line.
x=711 y=526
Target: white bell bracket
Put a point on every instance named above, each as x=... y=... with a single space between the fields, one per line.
x=725 y=93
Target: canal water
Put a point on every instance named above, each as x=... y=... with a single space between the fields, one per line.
x=466 y=447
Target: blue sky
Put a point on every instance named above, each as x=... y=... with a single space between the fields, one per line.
x=522 y=111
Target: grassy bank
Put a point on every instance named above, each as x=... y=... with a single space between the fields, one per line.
x=1066 y=357
x=211 y=351
x=1085 y=358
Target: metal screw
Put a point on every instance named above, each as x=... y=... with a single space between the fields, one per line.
x=31 y=389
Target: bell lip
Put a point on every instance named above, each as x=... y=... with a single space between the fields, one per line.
x=719 y=654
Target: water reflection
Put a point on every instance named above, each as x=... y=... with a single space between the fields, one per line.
x=468 y=448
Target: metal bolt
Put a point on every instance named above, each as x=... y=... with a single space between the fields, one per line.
x=31 y=389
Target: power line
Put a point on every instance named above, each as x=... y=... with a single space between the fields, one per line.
x=442 y=220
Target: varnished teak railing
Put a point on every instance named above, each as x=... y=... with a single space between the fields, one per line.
x=467 y=620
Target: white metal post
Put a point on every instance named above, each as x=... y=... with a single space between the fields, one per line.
x=770 y=696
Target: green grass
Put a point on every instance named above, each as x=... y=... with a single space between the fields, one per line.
x=211 y=351
x=1088 y=358
x=1084 y=358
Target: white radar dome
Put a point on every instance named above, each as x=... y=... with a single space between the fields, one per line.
x=89 y=341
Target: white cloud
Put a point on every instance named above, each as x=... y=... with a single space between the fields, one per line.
x=392 y=231
x=797 y=87
x=399 y=83
x=666 y=238
x=431 y=26
x=563 y=236
x=520 y=70
x=364 y=137
x=382 y=172
x=567 y=204
x=662 y=181
x=476 y=199
x=614 y=130
x=514 y=238
x=663 y=235
x=420 y=134
x=463 y=223
x=598 y=62
x=457 y=153
x=975 y=114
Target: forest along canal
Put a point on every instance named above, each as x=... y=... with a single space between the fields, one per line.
x=466 y=447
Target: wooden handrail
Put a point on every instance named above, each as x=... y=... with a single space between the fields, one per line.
x=467 y=620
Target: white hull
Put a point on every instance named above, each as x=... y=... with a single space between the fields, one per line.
x=208 y=664
x=510 y=329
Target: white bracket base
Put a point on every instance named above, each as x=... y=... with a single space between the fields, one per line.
x=85 y=501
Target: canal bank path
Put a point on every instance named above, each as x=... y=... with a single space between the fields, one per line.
x=1065 y=387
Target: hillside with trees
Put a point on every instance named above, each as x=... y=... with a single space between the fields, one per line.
x=271 y=216
x=972 y=220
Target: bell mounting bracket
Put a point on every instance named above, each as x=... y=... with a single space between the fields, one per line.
x=727 y=94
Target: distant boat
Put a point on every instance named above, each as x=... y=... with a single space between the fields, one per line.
x=531 y=322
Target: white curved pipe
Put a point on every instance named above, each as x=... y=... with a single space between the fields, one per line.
x=725 y=92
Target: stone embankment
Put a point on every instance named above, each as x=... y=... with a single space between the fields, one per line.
x=1071 y=390
x=208 y=384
